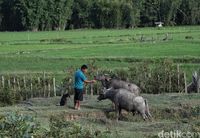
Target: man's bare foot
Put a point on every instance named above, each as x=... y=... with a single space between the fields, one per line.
x=78 y=108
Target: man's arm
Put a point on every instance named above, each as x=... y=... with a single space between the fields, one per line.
x=90 y=81
x=85 y=79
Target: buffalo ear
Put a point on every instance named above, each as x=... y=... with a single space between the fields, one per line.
x=107 y=77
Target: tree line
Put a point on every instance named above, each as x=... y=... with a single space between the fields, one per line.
x=34 y=15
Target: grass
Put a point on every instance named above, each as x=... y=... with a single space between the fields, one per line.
x=53 y=51
x=170 y=112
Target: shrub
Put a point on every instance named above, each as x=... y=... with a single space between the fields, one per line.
x=156 y=77
x=25 y=126
x=9 y=97
x=18 y=125
x=61 y=128
x=15 y=89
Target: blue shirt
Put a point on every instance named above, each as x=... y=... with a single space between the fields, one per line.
x=79 y=79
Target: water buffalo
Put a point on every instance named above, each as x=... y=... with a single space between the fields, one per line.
x=123 y=99
x=109 y=82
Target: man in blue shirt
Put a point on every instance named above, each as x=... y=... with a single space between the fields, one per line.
x=80 y=79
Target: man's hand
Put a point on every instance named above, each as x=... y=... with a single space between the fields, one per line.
x=93 y=81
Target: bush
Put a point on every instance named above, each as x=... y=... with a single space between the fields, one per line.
x=15 y=89
x=160 y=76
x=8 y=97
x=18 y=125
x=25 y=126
x=61 y=128
x=156 y=77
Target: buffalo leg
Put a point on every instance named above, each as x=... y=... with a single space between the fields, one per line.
x=117 y=112
x=113 y=106
x=120 y=115
x=144 y=116
x=133 y=112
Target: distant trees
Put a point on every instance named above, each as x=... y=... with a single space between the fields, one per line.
x=192 y=13
x=29 y=12
x=60 y=12
x=80 y=14
x=0 y=12
x=33 y=15
x=108 y=14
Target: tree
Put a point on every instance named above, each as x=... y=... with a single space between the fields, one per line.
x=45 y=19
x=127 y=15
x=18 y=15
x=149 y=13
x=60 y=13
x=95 y=14
x=105 y=14
x=11 y=20
x=80 y=14
x=30 y=13
x=194 y=7
x=171 y=16
x=137 y=12
x=0 y=12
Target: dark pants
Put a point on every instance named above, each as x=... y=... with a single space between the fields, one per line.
x=78 y=95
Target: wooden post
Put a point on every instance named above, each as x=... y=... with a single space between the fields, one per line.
x=39 y=90
x=185 y=81
x=92 y=89
x=149 y=76
x=198 y=83
x=24 y=80
x=19 y=89
x=18 y=84
x=3 y=81
x=97 y=88
x=8 y=82
x=159 y=91
x=86 y=91
x=31 y=89
x=170 y=83
x=49 y=89
x=70 y=85
x=178 y=77
x=44 y=84
x=14 y=82
x=54 y=86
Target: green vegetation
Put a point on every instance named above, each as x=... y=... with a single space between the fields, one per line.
x=18 y=15
x=60 y=53
x=17 y=125
x=170 y=112
x=145 y=56
x=26 y=126
x=56 y=52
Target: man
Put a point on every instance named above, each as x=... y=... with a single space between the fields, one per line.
x=80 y=79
